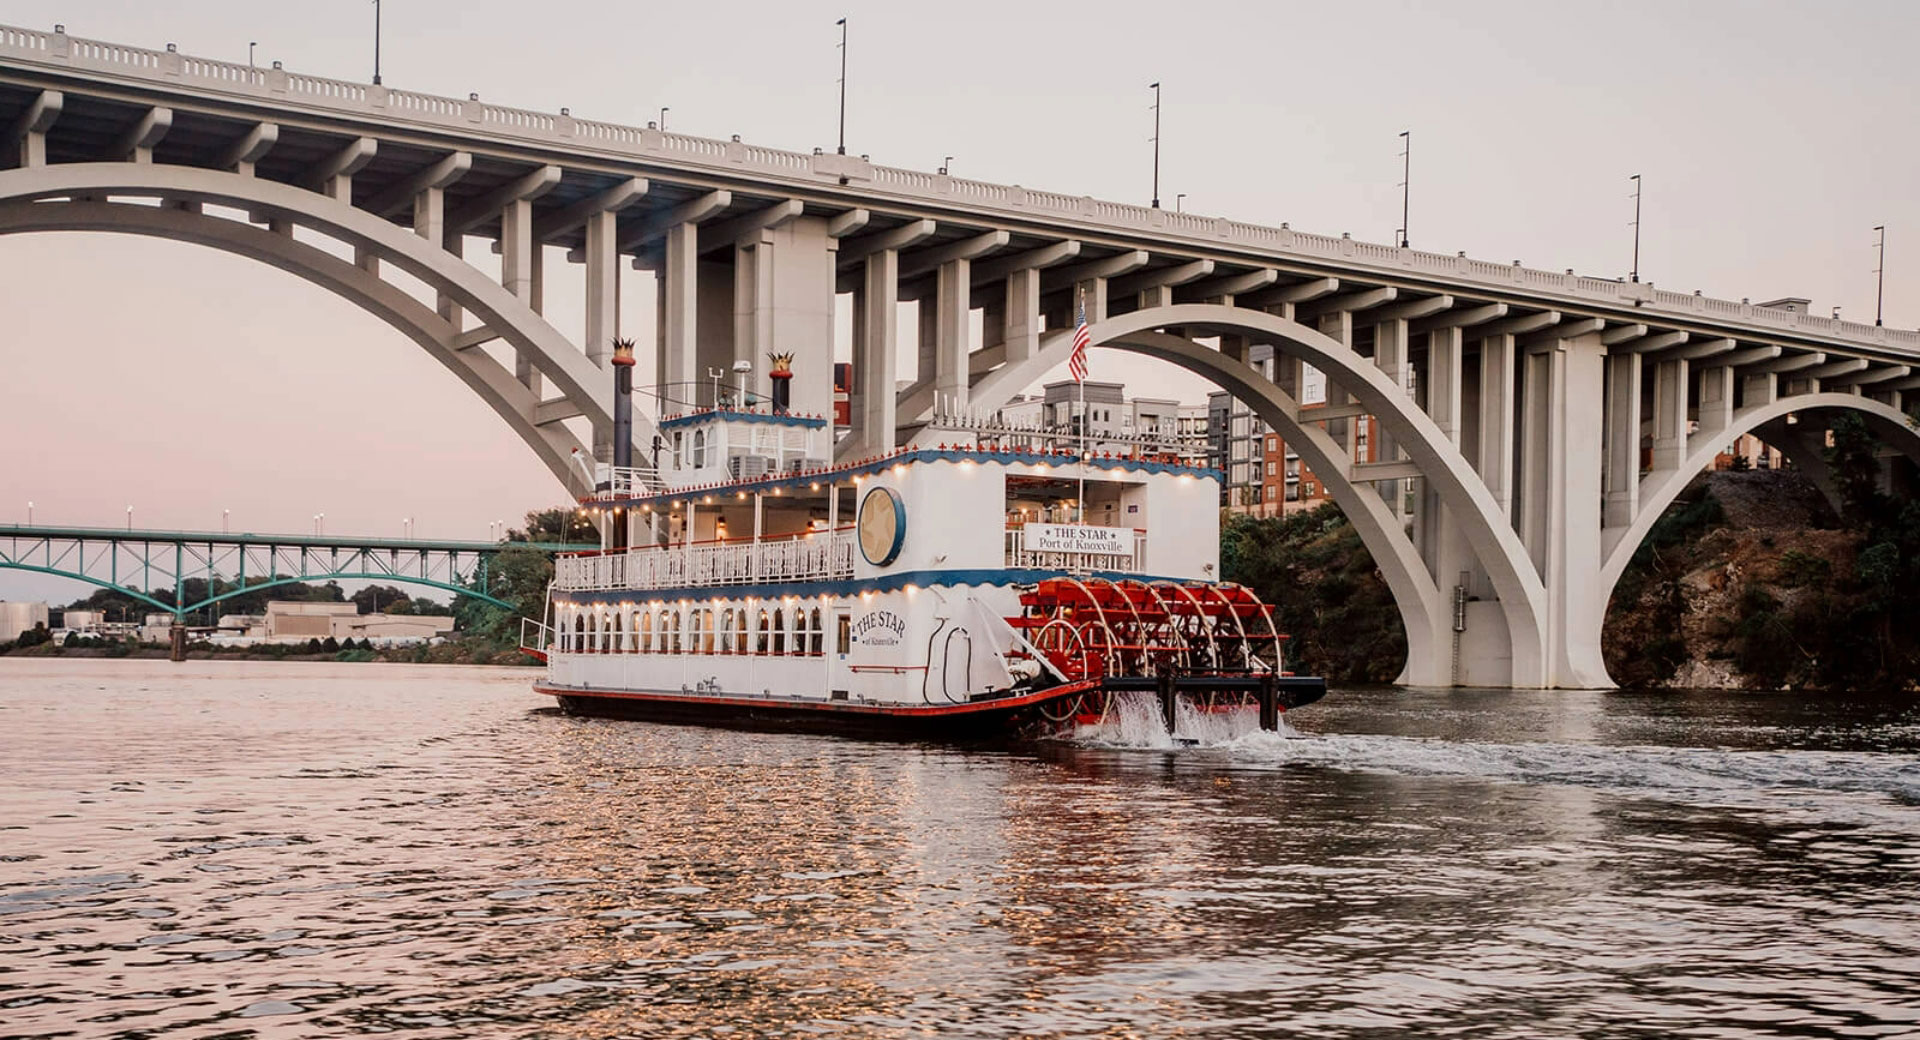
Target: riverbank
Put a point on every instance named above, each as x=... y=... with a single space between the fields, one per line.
x=446 y=653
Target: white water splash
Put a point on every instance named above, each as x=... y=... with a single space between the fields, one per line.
x=1134 y=721
x=1777 y=779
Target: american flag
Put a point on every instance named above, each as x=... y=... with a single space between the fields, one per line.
x=1082 y=339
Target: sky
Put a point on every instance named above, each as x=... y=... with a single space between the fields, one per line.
x=1771 y=138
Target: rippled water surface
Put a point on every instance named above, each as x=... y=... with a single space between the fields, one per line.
x=301 y=850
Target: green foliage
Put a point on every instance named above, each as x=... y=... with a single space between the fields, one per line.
x=1798 y=568
x=1856 y=470
x=1326 y=592
x=314 y=646
x=561 y=525
x=517 y=575
x=330 y=645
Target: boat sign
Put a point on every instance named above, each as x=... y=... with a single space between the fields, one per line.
x=1079 y=538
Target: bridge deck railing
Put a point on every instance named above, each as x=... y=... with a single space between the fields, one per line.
x=171 y=69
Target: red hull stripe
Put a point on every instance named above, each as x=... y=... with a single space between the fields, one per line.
x=915 y=711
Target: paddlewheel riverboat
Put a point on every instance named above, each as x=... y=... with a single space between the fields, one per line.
x=998 y=580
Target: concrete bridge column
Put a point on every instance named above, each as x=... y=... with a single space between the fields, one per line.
x=1021 y=316
x=1669 y=413
x=1338 y=326
x=1623 y=439
x=679 y=313
x=952 y=305
x=874 y=348
x=516 y=274
x=1716 y=401
x=783 y=281
x=1759 y=388
x=1390 y=352
x=1494 y=455
x=1560 y=472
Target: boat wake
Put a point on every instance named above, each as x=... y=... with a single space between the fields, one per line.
x=1705 y=776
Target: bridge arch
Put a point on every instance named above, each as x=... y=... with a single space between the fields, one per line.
x=73 y=197
x=1893 y=426
x=1425 y=610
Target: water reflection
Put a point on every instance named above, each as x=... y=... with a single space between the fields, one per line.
x=296 y=850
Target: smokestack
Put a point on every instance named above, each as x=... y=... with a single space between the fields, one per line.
x=622 y=424
x=782 y=376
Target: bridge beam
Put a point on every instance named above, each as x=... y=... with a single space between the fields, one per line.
x=404 y=193
x=333 y=175
x=691 y=212
x=136 y=144
x=248 y=148
x=1011 y=313
x=26 y=138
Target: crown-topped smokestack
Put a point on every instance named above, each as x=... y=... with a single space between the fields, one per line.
x=782 y=376
x=622 y=423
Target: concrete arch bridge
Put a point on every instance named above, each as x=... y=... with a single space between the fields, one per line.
x=1532 y=423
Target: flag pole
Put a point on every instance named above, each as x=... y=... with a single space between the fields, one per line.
x=1081 y=383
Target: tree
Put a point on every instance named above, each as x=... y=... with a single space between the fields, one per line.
x=330 y=645
x=562 y=525
x=314 y=647
x=1856 y=470
x=517 y=575
x=371 y=599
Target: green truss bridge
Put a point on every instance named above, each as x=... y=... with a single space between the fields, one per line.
x=136 y=562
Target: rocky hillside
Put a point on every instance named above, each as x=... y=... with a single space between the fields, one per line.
x=1752 y=581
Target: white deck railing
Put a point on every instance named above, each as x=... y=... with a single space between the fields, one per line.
x=1018 y=555
x=815 y=557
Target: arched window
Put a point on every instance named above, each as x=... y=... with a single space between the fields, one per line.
x=761 y=634
x=620 y=630
x=726 y=631
x=699 y=448
x=740 y=641
x=606 y=630
x=818 y=636
x=646 y=630
x=707 y=640
x=678 y=618
x=779 y=631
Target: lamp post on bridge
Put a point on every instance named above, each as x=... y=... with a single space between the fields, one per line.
x=1880 y=274
x=663 y=117
x=226 y=517
x=1406 y=182
x=1156 y=144
x=376 y=42
x=843 y=85
x=1635 y=275
x=129 y=518
x=29 y=514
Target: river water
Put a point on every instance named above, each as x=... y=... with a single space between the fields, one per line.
x=286 y=850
